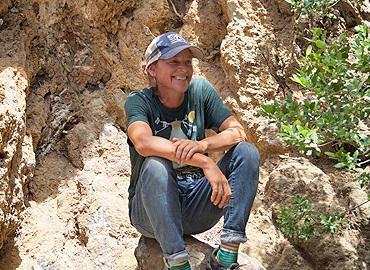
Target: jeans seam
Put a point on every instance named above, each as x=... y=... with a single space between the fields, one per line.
x=232 y=182
x=142 y=229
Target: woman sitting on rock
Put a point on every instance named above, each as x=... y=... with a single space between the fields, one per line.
x=175 y=188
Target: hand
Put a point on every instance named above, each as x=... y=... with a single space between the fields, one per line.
x=185 y=148
x=221 y=191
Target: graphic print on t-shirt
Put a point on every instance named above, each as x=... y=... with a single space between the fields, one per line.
x=181 y=129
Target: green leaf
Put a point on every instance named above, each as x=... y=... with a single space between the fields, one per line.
x=308 y=50
x=340 y=165
x=320 y=44
x=334 y=98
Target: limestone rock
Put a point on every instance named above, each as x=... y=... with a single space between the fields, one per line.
x=16 y=156
x=297 y=176
x=73 y=63
x=149 y=255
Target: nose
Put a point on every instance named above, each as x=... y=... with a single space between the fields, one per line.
x=184 y=65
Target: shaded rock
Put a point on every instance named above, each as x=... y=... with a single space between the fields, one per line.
x=297 y=176
x=291 y=259
x=149 y=255
x=4 y=5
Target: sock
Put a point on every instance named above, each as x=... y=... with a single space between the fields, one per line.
x=227 y=254
x=184 y=266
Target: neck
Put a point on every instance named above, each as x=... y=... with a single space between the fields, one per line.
x=170 y=99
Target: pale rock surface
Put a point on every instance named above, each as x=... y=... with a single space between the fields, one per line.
x=80 y=218
x=249 y=59
x=73 y=64
x=16 y=157
x=149 y=256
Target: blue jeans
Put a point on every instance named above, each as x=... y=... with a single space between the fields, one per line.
x=165 y=208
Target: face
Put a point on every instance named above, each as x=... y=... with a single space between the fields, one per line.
x=173 y=74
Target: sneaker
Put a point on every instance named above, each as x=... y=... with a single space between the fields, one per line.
x=213 y=264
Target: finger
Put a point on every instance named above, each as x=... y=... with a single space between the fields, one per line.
x=214 y=194
x=227 y=193
x=218 y=196
x=174 y=139
x=190 y=154
x=225 y=200
x=185 y=152
x=179 y=150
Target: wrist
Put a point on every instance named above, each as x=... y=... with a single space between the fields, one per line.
x=204 y=144
x=207 y=163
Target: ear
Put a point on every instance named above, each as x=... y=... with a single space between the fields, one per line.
x=151 y=70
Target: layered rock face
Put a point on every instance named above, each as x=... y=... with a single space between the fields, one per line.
x=66 y=68
x=16 y=156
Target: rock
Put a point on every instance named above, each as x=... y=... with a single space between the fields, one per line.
x=149 y=255
x=16 y=157
x=4 y=5
x=290 y=258
x=297 y=176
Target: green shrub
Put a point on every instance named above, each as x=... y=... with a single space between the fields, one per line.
x=335 y=107
x=300 y=221
x=364 y=179
x=316 y=8
x=332 y=112
x=311 y=7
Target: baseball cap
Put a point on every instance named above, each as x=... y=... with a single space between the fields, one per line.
x=168 y=45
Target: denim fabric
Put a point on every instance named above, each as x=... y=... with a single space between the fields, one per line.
x=166 y=207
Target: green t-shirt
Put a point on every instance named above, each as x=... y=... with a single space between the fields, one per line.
x=202 y=109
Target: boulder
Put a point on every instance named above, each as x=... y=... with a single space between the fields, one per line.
x=149 y=255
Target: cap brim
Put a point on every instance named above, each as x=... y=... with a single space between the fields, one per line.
x=196 y=52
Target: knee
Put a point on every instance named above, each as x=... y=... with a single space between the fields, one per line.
x=156 y=170
x=249 y=153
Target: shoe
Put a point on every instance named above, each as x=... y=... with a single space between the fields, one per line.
x=213 y=264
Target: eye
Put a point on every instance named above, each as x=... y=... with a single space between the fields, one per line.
x=188 y=63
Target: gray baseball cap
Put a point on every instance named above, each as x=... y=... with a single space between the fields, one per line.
x=168 y=45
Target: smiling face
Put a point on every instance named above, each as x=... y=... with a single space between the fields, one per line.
x=173 y=74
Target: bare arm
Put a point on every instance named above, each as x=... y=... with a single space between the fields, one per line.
x=148 y=145
x=232 y=132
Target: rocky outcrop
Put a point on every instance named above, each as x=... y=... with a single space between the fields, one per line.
x=67 y=66
x=16 y=156
x=149 y=256
x=300 y=177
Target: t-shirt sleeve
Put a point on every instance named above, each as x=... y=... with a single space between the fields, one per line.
x=215 y=110
x=136 y=108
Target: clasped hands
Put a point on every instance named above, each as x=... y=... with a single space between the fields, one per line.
x=184 y=151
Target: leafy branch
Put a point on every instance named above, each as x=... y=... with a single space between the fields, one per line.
x=333 y=114
x=300 y=221
x=335 y=108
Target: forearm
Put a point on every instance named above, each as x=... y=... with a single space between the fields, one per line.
x=161 y=147
x=225 y=139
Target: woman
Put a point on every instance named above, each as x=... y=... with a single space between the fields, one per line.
x=175 y=188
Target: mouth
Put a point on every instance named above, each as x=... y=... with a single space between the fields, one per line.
x=180 y=78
